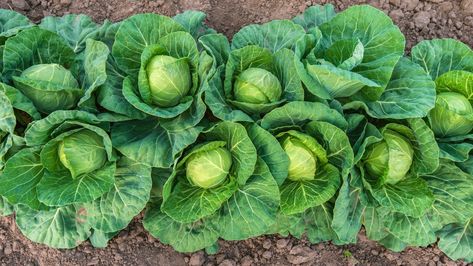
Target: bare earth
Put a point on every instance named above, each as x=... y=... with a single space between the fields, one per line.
x=418 y=19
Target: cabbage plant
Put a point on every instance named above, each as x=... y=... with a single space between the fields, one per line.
x=360 y=64
x=450 y=65
x=319 y=157
x=164 y=66
x=386 y=190
x=220 y=187
x=258 y=72
x=69 y=184
x=45 y=69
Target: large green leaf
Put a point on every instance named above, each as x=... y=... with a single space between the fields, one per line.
x=456 y=149
x=426 y=151
x=60 y=189
x=410 y=93
x=127 y=198
x=193 y=22
x=456 y=241
x=12 y=22
x=182 y=237
x=147 y=142
x=135 y=34
x=94 y=72
x=348 y=210
x=298 y=196
x=318 y=223
x=39 y=132
x=410 y=196
x=315 y=16
x=64 y=227
x=339 y=82
x=270 y=151
x=374 y=224
x=7 y=126
x=458 y=81
x=75 y=29
x=285 y=70
x=188 y=203
x=217 y=46
x=253 y=207
x=99 y=239
x=393 y=243
x=298 y=113
x=19 y=101
x=110 y=94
x=453 y=193
x=273 y=35
x=413 y=231
x=20 y=177
x=442 y=55
x=336 y=144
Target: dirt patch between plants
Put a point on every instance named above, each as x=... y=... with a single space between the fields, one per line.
x=418 y=20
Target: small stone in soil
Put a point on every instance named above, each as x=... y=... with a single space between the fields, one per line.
x=282 y=243
x=7 y=250
x=227 y=262
x=267 y=244
x=246 y=261
x=197 y=259
x=20 y=4
x=267 y=254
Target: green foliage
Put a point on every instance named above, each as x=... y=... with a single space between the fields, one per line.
x=312 y=127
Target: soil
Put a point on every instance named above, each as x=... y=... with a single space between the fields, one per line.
x=418 y=19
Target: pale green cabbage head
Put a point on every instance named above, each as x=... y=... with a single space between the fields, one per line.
x=390 y=159
x=169 y=80
x=449 y=117
x=82 y=152
x=257 y=86
x=52 y=73
x=210 y=168
x=302 y=161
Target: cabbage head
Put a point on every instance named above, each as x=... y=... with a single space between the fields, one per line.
x=390 y=159
x=452 y=115
x=169 y=80
x=257 y=86
x=209 y=168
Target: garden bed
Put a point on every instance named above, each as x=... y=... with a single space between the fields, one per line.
x=418 y=20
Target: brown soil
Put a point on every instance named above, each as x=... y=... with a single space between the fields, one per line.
x=418 y=19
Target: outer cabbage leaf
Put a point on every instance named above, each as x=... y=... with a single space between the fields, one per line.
x=274 y=35
x=127 y=198
x=183 y=237
x=20 y=177
x=75 y=29
x=64 y=227
x=315 y=16
x=442 y=55
x=410 y=93
x=253 y=207
x=455 y=241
